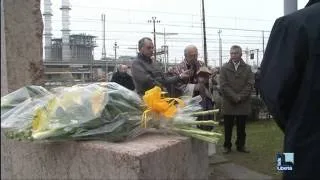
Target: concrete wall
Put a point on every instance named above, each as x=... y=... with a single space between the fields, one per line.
x=146 y=157
x=23 y=43
x=4 y=80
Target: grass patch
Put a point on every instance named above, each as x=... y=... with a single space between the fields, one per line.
x=264 y=139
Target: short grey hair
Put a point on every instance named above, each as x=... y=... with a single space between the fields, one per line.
x=236 y=47
x=187 y=49
x=141 y=42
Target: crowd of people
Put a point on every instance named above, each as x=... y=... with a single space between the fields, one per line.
x=232 y=85
x=288 y=83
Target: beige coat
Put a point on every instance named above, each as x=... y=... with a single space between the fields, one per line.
x=236 y=86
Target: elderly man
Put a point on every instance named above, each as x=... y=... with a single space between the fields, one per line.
x=198 y=82
x=192 y=64
x=146 y=73
x=290 y=86
x=122 y=77
x=236 y=82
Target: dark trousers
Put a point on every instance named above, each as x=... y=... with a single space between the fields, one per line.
x=241 y=130
x=257 y=91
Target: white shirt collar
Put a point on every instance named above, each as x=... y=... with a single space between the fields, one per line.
x=236 y=65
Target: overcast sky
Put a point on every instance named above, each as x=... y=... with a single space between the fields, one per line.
x=127 y=22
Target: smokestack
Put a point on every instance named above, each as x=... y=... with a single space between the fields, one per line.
x=47 y=13
x=65 y=8
x=103 y=18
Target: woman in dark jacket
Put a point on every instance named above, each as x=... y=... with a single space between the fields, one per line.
x=123 y=78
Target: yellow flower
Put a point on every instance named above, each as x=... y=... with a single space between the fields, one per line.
x=165 y=107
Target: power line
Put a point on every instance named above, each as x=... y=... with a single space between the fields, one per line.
x=223 y=28
x=215 y=39
x=169 y=13
x=192 y=26
x=171 y=23
x=147 y=32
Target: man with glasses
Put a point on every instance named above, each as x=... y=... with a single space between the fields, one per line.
x=236 y=82
x=197 y=83
x=191 y=64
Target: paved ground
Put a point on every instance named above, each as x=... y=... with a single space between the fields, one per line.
x=222 y=168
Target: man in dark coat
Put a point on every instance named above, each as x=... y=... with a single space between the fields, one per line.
x=236 y=83
x=290 y=86
x=123 y=78
x=147 y=73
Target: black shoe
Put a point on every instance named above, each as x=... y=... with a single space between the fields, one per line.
x=227 y=150
x=243 y=150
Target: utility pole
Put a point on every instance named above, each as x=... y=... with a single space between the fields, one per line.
x=135 y=48
x=103 y=19
x=247 y=55
x=154 y=21
x=262 y=42
x=220 y=48
x=103 y=55
x=91 y=69
x=165 y=35
x=204 y=35
x=166 y=48
x=115 y=47
x=289 y=6
x=257 y=57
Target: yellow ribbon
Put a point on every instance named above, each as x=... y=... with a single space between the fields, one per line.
x=159 y=105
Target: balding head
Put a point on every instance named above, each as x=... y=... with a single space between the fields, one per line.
x=123 y=68
x=191 y=54
x=146 y=46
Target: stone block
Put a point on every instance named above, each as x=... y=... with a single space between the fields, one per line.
x=23 y=30
x=146 y=157
x=211 y=149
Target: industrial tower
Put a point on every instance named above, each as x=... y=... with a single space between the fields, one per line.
x=47 y=13
x=65 y=8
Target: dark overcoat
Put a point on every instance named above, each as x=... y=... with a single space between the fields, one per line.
x=290 y=86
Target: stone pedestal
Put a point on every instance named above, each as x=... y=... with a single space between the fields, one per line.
x=146 y=157
x=4 y=80
x=211 y=149
x=21 y=27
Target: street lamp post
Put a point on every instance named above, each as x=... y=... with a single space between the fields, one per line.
x=115 y=47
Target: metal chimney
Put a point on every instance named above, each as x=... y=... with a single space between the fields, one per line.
x=47 y=13
x=65 y=8
x=103 y=19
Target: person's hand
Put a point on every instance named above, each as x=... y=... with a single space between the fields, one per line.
x=185 y=75
x=199 y=87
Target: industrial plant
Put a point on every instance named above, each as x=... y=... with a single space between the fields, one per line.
x=71 y=57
